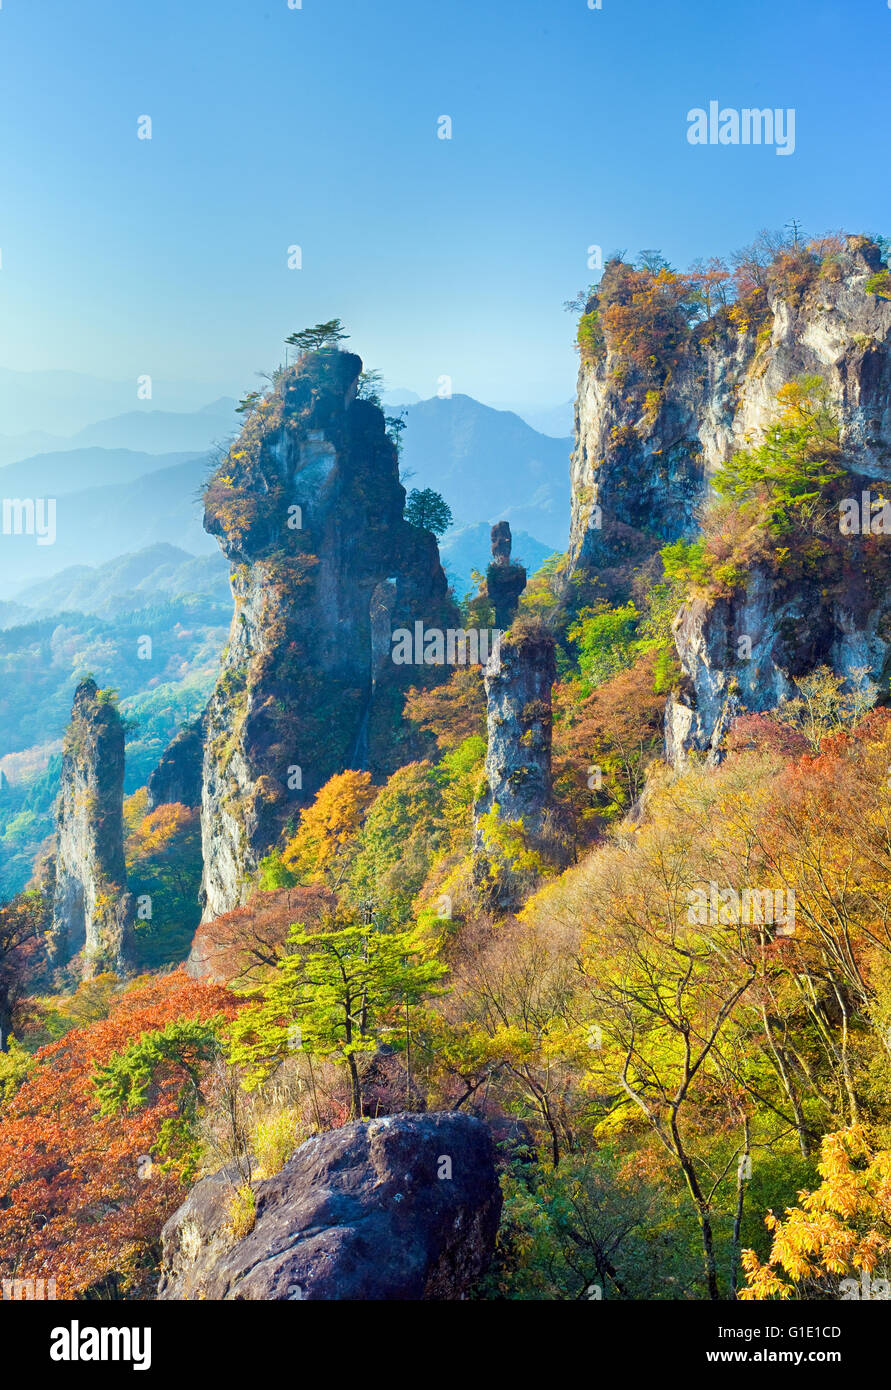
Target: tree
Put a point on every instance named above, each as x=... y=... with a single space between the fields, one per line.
x=82 y=1197
x=343 y=991
x=395 y=424
x=242 y=948
x=369 y=387
x=398 y=841
x=453 y=711
x=840 y=1229
x=428 y=511
x=163 y=854
x=183 y=1044
x=318 y=338
x=327 y=837
x=22 y=923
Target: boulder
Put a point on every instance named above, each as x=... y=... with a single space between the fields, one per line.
x=402 y=1207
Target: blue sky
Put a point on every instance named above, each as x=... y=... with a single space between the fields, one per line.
x=317 y=126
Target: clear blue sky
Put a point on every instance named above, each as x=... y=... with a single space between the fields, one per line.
x=317 y=126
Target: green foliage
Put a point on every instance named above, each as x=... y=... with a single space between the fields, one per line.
x=610 y=640
x=606 y=641
x=589 y=1230
x=275 y=874
x=590 y=339
x=457 y=776
x=344 y=991
x=428 y=511
x=398 y=840
x=164 y=865
x=16 y=1066
x=369 y=387
x=775 y=502
x=685 y=563
x=320 y=337
x=794 y=465
x=395 y=424
x=184 y=1044
x=880 y=284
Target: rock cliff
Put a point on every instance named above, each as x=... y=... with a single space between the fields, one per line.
x=308 y=508
x=516 y=788
x=178 y=775
x=92 y=910
x=646 y=450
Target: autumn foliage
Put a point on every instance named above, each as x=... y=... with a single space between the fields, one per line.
x=83 y=1195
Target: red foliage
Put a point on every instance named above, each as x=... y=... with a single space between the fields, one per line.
x=242 y=946
x=762 y=733
x=75 y=1202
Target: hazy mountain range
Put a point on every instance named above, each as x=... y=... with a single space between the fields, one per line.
x=490 y=466
x=131 y=482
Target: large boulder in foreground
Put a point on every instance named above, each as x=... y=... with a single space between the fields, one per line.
x=402 y=1207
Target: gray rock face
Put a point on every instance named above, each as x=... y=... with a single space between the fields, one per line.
x=404 y=1207
x=517 y=774
x=177 y=778
x=92 y=909
x=640 y=475
x=309 y=510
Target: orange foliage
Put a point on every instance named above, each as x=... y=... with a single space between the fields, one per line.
x=330 y=826
x=840 y=1229
x=451 y=712
x=79 y=1203
x=618 y=729
x=155 y=832
x=242 y=947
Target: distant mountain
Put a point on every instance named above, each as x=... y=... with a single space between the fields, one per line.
x=22 y=446
x=556 y=420
x=163 y=431
x=400 y=396
x=469 y=548
x=123 y=585
x=145 y=431
x=62 y=402
x=490 y=466
x=72 y=470
x=97 y=524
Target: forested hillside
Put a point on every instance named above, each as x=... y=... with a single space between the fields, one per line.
x=575 y=891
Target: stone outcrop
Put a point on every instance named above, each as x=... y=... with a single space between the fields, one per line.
x=308 y=508
x=177 y=778
x=516 y=786
x=505 y=580
x=641 y=471
x=403 y=1207
x=92 y=909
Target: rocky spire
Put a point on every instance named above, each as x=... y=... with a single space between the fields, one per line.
x=505 y=581
x=92 y=910
x=308 y=507
x=515 y=810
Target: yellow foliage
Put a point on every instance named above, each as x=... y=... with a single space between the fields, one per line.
x=330 y=827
